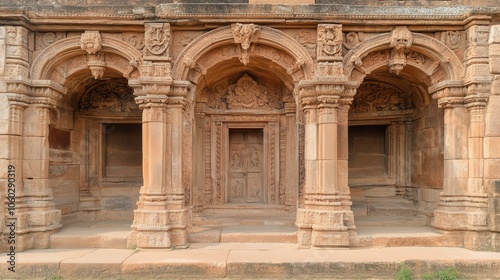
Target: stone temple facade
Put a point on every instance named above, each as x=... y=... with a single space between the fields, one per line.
x=170 y=112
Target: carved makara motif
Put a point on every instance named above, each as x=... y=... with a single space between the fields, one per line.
x=401 y=41
x=91 y=41
x=374 y=97
x=244 y=94
x=245 y=34
x=109 y=96
x=157 y=39
x=329 y=46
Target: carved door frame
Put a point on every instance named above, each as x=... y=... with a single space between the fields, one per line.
x=220 y=158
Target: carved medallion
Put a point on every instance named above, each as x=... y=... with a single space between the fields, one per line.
x=157 y=39
x=109 y=96
x=353 y=39
x=244 y=94
x=329 y=46
x=451 y=39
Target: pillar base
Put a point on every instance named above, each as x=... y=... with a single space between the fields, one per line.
x=160 y=228
x=324 y=228
x=460 y=220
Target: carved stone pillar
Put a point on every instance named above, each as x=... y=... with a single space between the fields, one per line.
x=492 y=140
x=326 y=216
x=161 y=218
x=458 y=209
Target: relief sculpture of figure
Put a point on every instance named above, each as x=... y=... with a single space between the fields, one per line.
x=254 y=159
x=236 y=162
x=238 y=189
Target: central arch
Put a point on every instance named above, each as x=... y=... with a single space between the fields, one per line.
x=243 y=123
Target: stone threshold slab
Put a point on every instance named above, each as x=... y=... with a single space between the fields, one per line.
x=244 y=260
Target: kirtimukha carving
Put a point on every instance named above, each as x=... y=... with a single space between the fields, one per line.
x=401 y=41
x=91 y=41
x=329 y=46
x=157 y=41
x=245 y=34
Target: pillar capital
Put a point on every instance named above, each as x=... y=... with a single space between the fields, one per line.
x=449 y=93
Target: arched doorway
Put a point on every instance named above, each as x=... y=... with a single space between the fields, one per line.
x=243 y=120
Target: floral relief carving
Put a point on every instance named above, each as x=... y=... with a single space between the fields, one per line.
x=109 y=96
x=329 y=46
x=47 y=38
x=246 y=93
x=245 y=34
x=157 y=40
x=374 y=97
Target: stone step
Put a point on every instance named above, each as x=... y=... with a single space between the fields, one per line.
x=403 y=236
x=244 y=215
x=381 y=221
x=244 y=234
x=109 y=234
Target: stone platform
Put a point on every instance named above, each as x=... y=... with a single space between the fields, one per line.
x=248 y=261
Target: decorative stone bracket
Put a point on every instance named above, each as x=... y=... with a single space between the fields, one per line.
x=401 y=41
x=245 y=34
x=91 y=42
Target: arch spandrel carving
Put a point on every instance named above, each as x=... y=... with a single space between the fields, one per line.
x=214 y=39
x=65 y=49
x=429 y=54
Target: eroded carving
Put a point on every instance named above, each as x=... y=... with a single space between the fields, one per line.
x=353 y=39
x=329 y=42
x=451 y=39
x=245 y=34
x=96 y=63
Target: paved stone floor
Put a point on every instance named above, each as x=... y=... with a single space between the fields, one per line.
x=247 y=261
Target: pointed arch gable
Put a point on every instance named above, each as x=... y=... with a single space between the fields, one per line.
x=425 y=45
x=69 y=48
x=223 y=36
